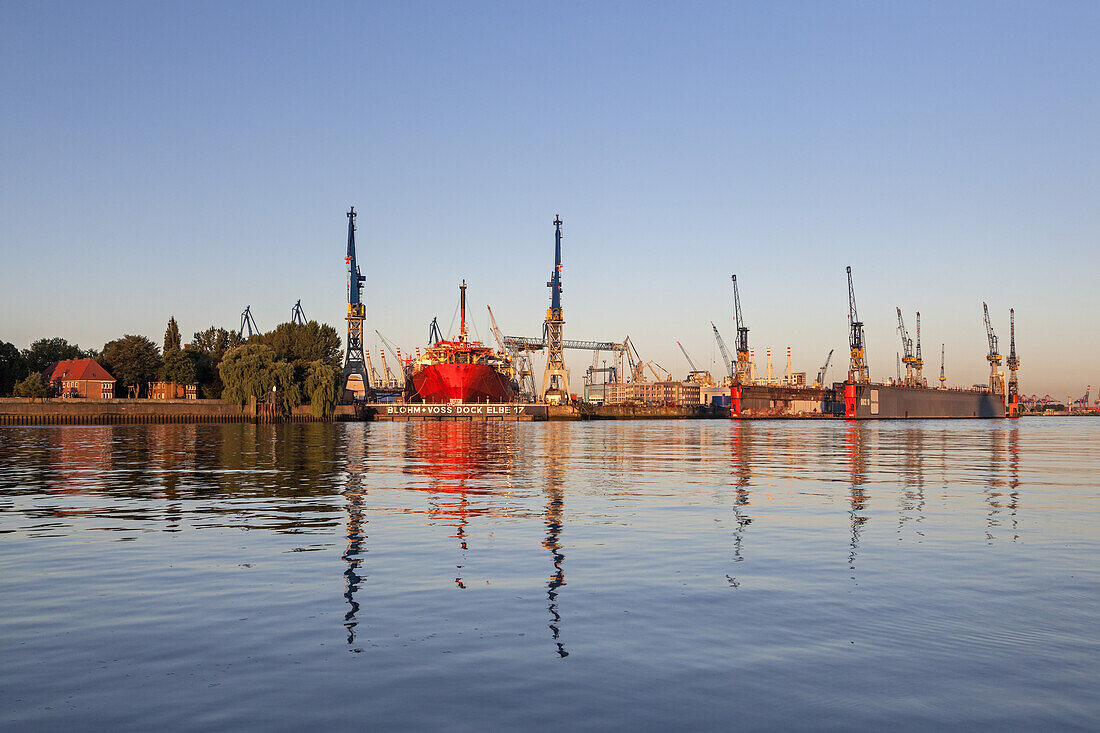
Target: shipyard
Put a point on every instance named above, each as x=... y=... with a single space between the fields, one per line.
x=460 y=378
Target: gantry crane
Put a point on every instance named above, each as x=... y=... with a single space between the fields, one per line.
x=555 y=379
x=994 y=356
x=1013 y=365
x=743 y=373
x=730 y=373
x=354 y=360
x=907 y=351
x=857 y=367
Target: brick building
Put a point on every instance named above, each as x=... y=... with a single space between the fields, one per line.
x=173 y=391
x=653 y=393
x=81 y=378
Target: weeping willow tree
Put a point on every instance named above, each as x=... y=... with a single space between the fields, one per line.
x=253 y=371
x=321 y=386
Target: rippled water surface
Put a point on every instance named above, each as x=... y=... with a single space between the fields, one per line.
x=679 y=574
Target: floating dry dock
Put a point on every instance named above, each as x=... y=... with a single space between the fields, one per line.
x=520 y=412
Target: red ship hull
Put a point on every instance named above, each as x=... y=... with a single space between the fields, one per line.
x=444 y=383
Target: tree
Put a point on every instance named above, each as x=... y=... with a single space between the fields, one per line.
x=171 y=336
x=32 y=386
x=209 y=347
x=13 y=367
x=253 y=371
x=301 y=344
x=321 y=386
x=132 y=360
x=45 y=352
x=178 y=367
x=305 y=342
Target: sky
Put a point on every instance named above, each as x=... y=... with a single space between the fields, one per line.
x=190 y=159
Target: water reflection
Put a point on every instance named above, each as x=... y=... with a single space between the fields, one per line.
x=474 y=479
x=856 y=438
x=912 y=500
x=556 y=460
x=355 y=452
x=741 y=436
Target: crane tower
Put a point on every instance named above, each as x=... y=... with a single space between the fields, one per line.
x=354 y=360
x=918 y=362
x=1013 y=365
x=744 y=364
x=555 y=380
x=994 y=356
x=857 y=367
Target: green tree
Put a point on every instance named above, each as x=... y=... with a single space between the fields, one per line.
x=301 y=344
x=13 y=367
x=45 y=352
x=32 y=386
x=209 y=347
x=179 y=367
x=253 y=371
x=132 y=360
x=171 y=336
x=321 y=386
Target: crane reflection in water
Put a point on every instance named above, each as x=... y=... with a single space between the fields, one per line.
x=463 y=469
x=557 y=459
x=355 y=458
x=856 y=444
x=741 y=437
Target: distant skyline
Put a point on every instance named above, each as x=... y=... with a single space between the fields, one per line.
x=189 y=160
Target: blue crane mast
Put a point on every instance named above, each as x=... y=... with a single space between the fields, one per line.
x=354 y=360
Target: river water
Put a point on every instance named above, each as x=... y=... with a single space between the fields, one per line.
x=548 y=576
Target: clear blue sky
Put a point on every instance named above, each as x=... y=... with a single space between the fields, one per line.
x=191 y=159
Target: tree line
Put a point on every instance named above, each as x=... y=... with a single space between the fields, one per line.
x=295 y=362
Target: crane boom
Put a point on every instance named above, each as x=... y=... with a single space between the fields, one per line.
x=857 y=367
x=907 y=357
x=743 y=372
x=690 y=362
x=994 y=356
x=824 y=368
x=496 y=331
x=722 y=348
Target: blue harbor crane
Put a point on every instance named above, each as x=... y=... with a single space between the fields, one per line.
x=248 y=323
x=354 y=361
x=555 y=379
x=297 y=315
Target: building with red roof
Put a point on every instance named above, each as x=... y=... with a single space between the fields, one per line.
x=81 y=378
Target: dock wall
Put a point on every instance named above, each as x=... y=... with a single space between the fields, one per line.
x=16 y=411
